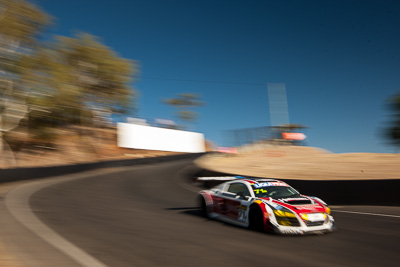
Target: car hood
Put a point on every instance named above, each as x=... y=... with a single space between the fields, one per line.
x=299 y=204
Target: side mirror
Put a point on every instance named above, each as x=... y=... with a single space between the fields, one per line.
x=242 y=196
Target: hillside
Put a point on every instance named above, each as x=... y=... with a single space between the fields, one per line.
x=297 y=162
x=70 y=145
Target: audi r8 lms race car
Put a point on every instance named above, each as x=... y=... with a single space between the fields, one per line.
x=267 y=205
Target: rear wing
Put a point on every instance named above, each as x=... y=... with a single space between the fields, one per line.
x=219 y=178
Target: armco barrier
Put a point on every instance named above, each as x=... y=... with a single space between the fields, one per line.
x=18 y=174
x=343 y=192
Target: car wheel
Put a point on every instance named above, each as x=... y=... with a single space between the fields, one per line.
x=256 y=219
x=203 y=207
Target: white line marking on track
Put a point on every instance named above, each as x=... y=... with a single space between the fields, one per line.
x=366 y=213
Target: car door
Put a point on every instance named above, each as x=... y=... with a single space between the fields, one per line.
x=237 y=201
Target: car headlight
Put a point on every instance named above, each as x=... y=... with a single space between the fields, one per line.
x=281 y=213
x=284 y=216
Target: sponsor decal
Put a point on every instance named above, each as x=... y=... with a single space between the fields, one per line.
x=242 y=214
x=265 y=184
x=313 y=207
x=258 y=201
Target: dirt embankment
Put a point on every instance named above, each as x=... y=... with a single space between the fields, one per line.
x=305 y=163
x=70 y=145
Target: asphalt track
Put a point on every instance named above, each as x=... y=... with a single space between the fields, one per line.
x=148 y=216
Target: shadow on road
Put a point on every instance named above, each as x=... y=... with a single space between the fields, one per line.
x=194 y=211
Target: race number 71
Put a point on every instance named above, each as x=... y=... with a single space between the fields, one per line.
x=260 y=190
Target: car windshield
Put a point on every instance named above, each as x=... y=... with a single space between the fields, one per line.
x=274 y=191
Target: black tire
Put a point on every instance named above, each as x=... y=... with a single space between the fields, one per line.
x=256 y=220
x=203 y=207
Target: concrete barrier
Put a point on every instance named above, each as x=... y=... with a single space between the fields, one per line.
x=18 y=174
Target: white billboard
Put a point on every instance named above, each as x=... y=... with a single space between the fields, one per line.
x=154 y=138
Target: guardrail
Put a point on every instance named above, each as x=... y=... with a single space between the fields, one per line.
x=19 y=174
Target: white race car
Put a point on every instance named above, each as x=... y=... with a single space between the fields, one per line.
x=268 y=205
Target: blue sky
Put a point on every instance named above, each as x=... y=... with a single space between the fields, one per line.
x=340 y=60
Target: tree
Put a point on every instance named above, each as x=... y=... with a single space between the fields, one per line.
x=392 y=133
x=184 y=103
x=76 y=79
x=68 y=81
x=21 y=22
x=90 y=76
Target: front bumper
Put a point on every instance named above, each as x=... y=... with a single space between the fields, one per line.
x=303 y=229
